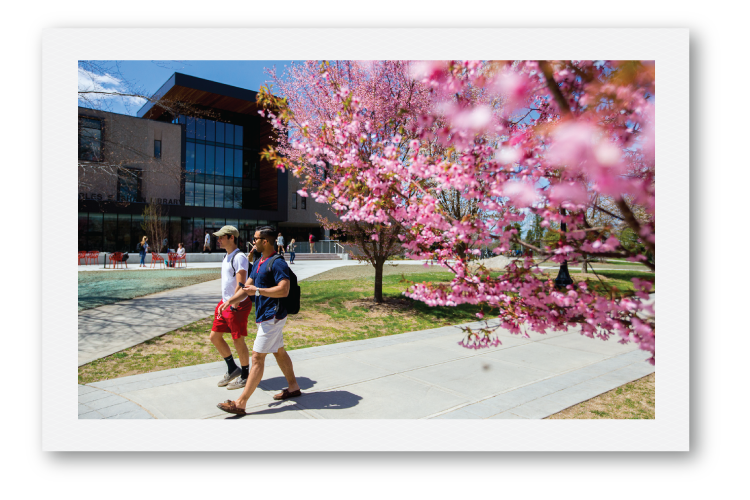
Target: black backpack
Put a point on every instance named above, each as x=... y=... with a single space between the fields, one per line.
x=291 y=301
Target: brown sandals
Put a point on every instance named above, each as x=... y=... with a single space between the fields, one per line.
x=285 y=394
x=229 y=407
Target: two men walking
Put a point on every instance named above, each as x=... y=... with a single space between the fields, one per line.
x=269 y=281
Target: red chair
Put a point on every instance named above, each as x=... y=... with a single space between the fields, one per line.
x=82 y=255
x=115 y=258
x=155 y=257
x=177 y=259
x=92 y=256
x=171 y=257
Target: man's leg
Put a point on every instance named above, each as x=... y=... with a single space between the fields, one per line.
x=217 y=339
x=285 y=363
x=242 y=351
x=256 y=374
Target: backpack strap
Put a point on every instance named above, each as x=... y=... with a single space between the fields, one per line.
x=270 y=268
x=231 y=262
x=271 y=261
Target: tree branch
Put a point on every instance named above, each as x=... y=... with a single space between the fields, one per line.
x=562 y=103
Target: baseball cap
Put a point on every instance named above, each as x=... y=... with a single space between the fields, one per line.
x=227 y=230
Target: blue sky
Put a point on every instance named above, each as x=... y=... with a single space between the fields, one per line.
x=148 y=76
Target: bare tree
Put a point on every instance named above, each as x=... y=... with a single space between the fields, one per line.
x=153 y=224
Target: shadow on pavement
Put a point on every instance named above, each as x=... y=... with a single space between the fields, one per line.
x=331 y=400
x=279 y=383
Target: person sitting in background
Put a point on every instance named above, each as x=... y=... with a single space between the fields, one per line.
x=180 y=250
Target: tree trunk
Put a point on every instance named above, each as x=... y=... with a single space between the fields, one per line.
x=379 y=280
x=585 y=266
x=461 y=248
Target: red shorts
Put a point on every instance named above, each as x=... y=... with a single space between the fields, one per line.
x=234 y=322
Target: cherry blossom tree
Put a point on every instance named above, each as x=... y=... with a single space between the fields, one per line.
x=550 y=138
x=390 y=98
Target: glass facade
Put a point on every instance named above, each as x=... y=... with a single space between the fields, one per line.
x=220 y=171
x=122 y=232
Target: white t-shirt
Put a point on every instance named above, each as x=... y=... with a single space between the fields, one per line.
x=280 y=241
x=228 y=279
x=181 y=251
x=207 y=241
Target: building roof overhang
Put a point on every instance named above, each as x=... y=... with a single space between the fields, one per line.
x=183 y=89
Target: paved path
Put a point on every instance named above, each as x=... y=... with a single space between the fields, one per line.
x=416 y=375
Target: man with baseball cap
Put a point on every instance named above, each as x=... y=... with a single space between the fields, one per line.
x=232 y=320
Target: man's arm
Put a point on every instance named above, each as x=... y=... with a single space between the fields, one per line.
x=275 y=292
x=241 y=278
x=239 y=294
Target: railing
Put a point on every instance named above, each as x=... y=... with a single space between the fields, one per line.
x=325 y=246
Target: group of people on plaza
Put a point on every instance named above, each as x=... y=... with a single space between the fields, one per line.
x=143 y=247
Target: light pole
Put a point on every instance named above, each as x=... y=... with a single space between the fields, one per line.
x=563 y=276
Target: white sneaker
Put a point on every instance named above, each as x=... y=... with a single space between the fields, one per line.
x=228 y=377
x=238 y=383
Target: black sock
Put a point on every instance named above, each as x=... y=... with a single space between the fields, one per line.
x=245 y=372
x=231 y=366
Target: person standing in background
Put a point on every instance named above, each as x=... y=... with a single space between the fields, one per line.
x=290 y=248
x=142 y=250
x=207 y=243
x=280 y=244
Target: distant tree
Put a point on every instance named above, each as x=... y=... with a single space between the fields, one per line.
x=375 y=244
x=154 y=225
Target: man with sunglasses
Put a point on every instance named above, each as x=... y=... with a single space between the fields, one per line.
x=268 y=284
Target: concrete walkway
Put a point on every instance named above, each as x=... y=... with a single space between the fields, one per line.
x=415 y=375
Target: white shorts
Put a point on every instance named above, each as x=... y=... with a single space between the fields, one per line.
x=270 y=336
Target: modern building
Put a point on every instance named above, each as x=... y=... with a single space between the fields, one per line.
x=194 y=151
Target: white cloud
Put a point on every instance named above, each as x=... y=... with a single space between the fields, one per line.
x=92 y=82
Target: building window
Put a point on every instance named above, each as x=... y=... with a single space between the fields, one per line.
x=294 y=201
x=304 y=202
x=89 y=139
x=157 y=149
x=128 y=185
